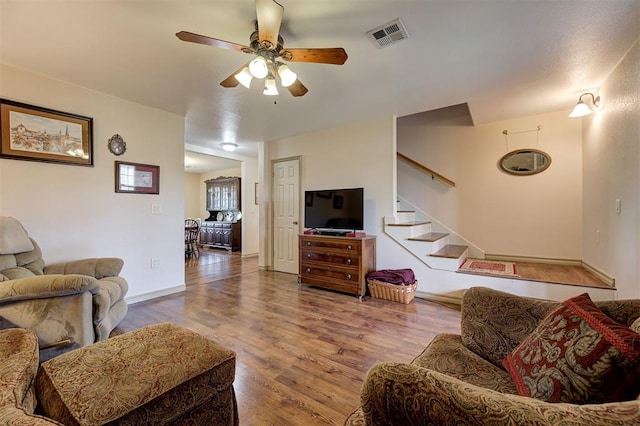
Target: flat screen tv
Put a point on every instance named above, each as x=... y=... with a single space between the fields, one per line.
x=334 y=209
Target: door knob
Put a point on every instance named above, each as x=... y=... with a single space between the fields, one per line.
x=295 y=222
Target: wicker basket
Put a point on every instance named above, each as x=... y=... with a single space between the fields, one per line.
x=394 y=292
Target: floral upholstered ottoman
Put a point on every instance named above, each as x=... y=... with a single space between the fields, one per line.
x=160 y=374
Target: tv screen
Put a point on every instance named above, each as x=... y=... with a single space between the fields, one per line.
x=334 y=209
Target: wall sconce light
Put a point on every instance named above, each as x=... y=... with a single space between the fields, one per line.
x=581 y=109
x=229 y=146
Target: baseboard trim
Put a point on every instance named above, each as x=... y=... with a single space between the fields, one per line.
x=611 y=281
x=452 y=299
x=529 y=259
x=155 y=294
x=246 y=256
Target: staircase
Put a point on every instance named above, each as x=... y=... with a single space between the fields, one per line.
x=428 y=240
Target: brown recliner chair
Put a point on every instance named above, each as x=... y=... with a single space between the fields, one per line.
x=68 y=305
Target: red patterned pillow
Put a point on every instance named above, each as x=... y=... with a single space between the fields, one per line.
x=577 y=354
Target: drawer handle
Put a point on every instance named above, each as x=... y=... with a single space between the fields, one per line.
x=308 y=255
x=348 y=276
x=349 y=247
x=308 y=243
x=308 y=271
x=348 y=261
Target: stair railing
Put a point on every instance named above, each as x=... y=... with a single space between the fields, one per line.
x=425 y=170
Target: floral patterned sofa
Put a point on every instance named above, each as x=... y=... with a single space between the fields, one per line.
x=162 y=374
x=460 y=379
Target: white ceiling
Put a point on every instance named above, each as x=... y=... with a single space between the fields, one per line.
x=197 y=163
x=506 y=59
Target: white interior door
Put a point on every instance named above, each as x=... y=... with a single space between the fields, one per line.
x=286 y=216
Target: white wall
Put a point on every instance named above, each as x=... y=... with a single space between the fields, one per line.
x=73 y=212
x=192 y=189
x=537 y=216
x=364 y=154
x=355 y=155
x=250 y=210
x=612 y=171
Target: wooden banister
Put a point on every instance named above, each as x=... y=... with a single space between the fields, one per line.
x=426 y=170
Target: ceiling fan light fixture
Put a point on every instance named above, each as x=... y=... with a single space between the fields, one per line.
x=270 y=87
x=258 y=67
x=229 y=146
x=244 y=77
x=287 y=77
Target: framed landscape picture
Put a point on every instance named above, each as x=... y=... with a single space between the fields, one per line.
x=133 y=178
x=34 y=133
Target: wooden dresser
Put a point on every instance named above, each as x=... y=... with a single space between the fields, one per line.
x=338 y=263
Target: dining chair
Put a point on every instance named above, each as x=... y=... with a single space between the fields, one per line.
x=191 y=233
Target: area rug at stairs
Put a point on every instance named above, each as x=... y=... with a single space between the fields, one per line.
x=489 y=267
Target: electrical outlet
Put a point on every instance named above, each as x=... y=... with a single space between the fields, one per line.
x=156 y=208
x=155 y=263
x=618 y=206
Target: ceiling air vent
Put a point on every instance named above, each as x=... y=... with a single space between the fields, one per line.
x=388 y=34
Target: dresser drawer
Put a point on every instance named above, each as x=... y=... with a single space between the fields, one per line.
x=352 y=246
x=312 y=274
x=345 y=259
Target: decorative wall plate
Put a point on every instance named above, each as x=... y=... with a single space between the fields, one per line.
x=117 y=145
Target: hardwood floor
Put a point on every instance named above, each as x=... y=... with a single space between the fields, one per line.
x=302 y=353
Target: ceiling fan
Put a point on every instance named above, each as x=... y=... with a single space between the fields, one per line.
x=268 y=47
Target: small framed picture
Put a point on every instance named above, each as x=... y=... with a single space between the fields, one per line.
x=34 y=133
x=134 y=178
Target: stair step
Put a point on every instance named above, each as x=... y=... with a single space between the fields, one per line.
x=450 y=251
x=429 y=237
x=414 y=223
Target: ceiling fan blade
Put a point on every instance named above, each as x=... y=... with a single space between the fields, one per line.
x=200 y=39
x=231 y=81
x=269 y=14
x=297 y=89
x=335 y=55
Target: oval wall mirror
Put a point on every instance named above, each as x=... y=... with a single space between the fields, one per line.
x=524 y=162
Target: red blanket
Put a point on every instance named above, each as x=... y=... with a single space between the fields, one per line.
x=393 y=276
